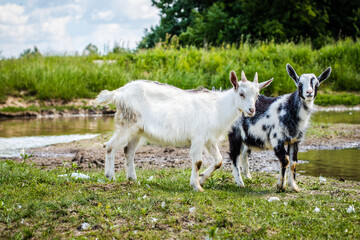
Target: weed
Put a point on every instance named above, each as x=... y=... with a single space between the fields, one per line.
x=25 y=156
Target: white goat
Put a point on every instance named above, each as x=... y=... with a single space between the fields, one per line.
x=166 y=115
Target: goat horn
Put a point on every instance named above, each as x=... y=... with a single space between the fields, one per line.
x=256 y=78
x=243 y=77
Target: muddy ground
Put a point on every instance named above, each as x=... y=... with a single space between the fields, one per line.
x=91 y=153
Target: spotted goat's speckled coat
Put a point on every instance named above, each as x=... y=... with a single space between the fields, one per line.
x=278 y=122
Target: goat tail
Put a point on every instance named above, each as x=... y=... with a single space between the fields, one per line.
x=105 y=97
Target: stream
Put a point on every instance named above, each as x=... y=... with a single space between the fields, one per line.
x=18 y=134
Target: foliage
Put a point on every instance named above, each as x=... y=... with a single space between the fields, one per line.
x=38 y=204
x=176 y=16
x=327 y=99
x=91 y=49
x=211 y=22
x=70 y=77
x=30 y=53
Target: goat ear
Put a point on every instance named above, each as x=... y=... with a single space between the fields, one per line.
x=324 y=75
x=256 y=79
x=265 y=84
x=243 y=77
x=290 y=70
x=234 y=80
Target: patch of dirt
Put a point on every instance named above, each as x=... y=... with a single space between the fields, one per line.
x=20 y=102
x=80 y=107
x=347 y=136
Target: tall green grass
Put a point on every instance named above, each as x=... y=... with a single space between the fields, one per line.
x=70 y=77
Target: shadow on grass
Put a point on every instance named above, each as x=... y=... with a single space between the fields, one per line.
x=226 y=187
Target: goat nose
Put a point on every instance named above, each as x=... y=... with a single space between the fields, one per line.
x=251 y=110
x=309 y=91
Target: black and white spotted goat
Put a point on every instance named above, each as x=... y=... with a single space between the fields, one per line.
x=279 y=121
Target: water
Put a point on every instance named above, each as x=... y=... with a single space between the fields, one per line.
x=350 y=117
x=11 y=147
x=55 y=126
x=16 y=134
x=27 y=133
x=344 y=163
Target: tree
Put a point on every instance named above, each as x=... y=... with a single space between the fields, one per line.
x=91 y=49
x=176 y=16
x=30 y=53
x=216 y=22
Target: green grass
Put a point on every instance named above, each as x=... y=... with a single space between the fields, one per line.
x=36 y=203
x=343 y=98
x=71 y=77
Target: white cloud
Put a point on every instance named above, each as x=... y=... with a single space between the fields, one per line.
x=108 y=33
x=58 y=26
x=12 y=14
x=140 y=9
x=55 y=28
x=103 y=15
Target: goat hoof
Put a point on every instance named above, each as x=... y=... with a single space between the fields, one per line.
x=295 y=189
x=280 y=188
x=197 y=188
x=241 y=185
x=131 y=179
x=201 y=181
x=110 y=176
x=248 y=176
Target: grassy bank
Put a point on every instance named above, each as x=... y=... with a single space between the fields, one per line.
x=37 y=203
x=72 y=77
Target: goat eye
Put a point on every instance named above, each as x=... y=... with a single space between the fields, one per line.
x=242 y=95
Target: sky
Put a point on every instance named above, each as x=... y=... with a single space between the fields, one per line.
x=68 y=26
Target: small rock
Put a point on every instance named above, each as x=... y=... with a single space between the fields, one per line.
x=192 y=209
x=76 y=175
x=83 y=226
x=322 y=179
x=273 y=199
x=350 y=209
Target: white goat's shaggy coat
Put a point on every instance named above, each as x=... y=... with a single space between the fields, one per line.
x=166 y=115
